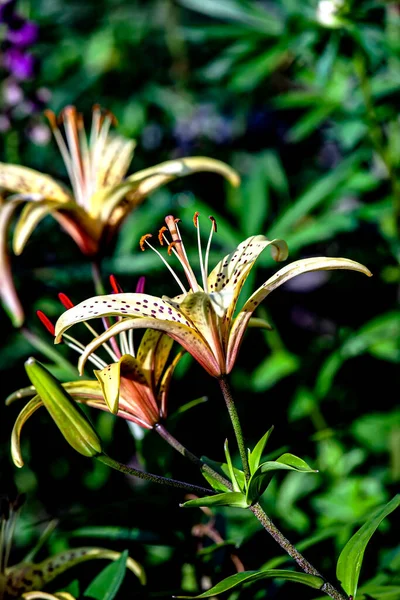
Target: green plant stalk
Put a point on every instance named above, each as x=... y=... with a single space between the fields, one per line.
x=118 y=466
x=172 y=441
x=375 y=131
x=284 y=543
x=237 y=428
x=258 y=512
x=97 y=280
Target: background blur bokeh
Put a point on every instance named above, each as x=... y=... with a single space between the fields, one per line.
x=302 y=99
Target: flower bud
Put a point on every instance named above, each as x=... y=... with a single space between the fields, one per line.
x=70 y=420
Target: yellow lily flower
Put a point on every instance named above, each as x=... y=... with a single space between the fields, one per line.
x=100 y=198
x=134 y=386
x=27 y=578
x=202 y=319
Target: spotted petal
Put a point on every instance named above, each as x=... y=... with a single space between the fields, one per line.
x=153 y=354
x=28 y=181
x=292 y=270
x=226 y=280
x=165 y=383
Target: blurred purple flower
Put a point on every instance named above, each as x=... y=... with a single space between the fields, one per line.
x=19 y=63
x=22 y=33
x=12 y=92
x=205 y=123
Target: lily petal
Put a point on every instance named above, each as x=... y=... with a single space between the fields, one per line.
x=292 y=270
x=141 y=184
x=153 y=354
x=115 y=161
x=232 y=271
x=31 y=215
x=80 y=390
x=7 y=290
x=165 y=383
x=23 y=416
x=185 y=336
x=121 y=305
x=28 y=181
x=109 y=379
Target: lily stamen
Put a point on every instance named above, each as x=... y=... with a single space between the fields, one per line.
x=172 y=225
x=143 y=241
x=213 y=230
x=202 y=264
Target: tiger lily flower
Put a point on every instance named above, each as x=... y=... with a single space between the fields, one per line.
x=27 y=578
x=201 y=319
x=133 y=386
x=100 y=198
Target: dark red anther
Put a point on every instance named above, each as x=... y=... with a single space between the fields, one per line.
x=140 y=285
x=214 y=222
x=116 y=288
x=46 y=322
x=65 y=301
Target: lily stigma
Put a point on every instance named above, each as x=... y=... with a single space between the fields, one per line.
x=100 y=196
x=203 y=319
x=133 y=386
x=26 y=578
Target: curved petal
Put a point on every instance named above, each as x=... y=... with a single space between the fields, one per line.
x=120 y=305
x=28 y=181
x=162 y=395
x=80 y=390
x=185 y=336
x=141 y=184
x=153 y=353
x=226 y=280
x=298 y=267
x=115 y=160
x=25 y=392
x=23 y=416
x=31 y=215
x=109 y=379
x=47 y=596
x=85 y=231
x=7 y=290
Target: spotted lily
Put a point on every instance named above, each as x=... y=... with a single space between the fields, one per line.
x=26 y=578
x=133 y=386
x=100 y=198
x=203 y=318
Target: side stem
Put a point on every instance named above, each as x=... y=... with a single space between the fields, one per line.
x=172 y=441
x=230 y=404
x=115 y=464
x=291 y=550
x=97 y=280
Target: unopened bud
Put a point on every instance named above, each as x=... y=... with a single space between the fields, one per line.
x=68 y=417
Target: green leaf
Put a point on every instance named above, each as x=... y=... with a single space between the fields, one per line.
x=226 y=499
x=350 y=559
x=223 y=469
x=215 y=483
x=256 y=454
x=232 y=475
x=260 y=480
x=106 y=585
x=249 y=576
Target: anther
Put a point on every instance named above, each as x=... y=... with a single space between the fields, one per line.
x=143 y=241
x=196 y=218
x=65 y=301
x=214 y=222
x=46 y=322
x=51 y=117
x=140 y=285
x=172 y=245
x=160 y=235
x=116 y=288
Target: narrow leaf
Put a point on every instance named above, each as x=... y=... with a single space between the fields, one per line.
x=106 y=585
x=256 y=454
x=226 y=499
x=350 y=559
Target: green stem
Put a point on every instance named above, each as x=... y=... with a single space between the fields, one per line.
x=48 y=351
x=230 y=404
x=375 y=131
x=114 y=464
x=291 y=550
x=172 y=441
x=97 y=280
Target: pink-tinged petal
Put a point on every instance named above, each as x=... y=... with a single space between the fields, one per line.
x=165 y=383
x=198 y=309
x=185 y=336
x=138 y=395
x=85 y=232
x=121 y=305
x=8 y=293
x=30 y=217
x=23 y=416
x=226 y=280
x=28 y=181
x=296 y=268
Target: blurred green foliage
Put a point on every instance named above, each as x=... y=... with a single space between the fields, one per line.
x=304 y=104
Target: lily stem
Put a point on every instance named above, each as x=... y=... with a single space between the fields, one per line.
x=172 y=441
x=97 y=280
x=237 y=428
x=115 y=464
x=293 y=553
